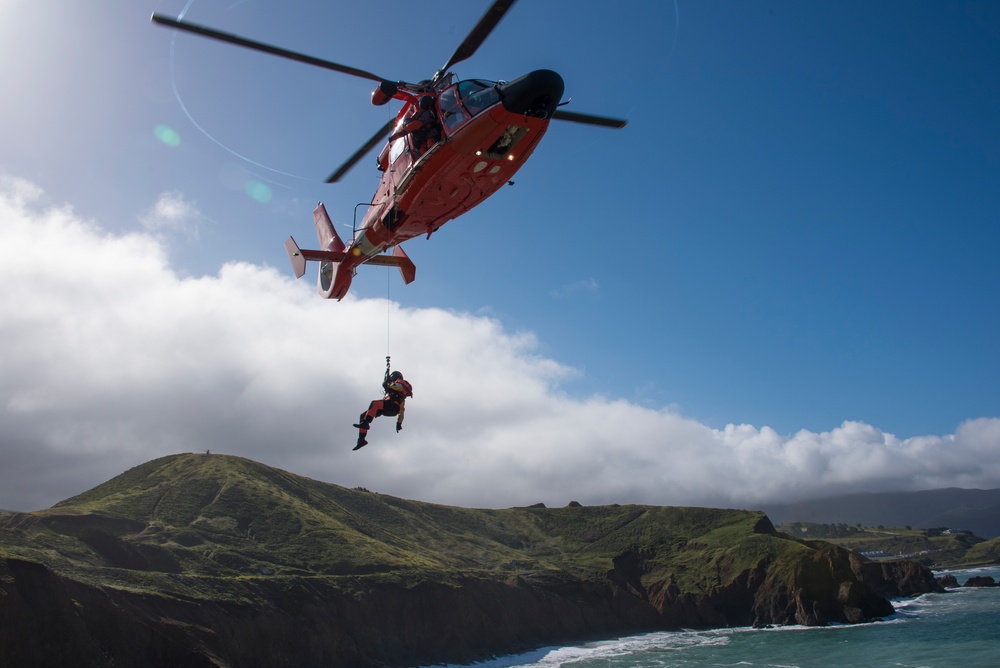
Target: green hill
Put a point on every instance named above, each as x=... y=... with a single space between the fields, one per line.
x=204 y=559
x=981 y=554
x=938 y=548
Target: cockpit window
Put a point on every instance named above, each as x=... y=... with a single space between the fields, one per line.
x=466 y=99
x=477 y=94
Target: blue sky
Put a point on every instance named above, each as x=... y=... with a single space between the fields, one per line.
x=787 y=257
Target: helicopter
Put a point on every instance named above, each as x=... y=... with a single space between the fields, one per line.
x=479 y=135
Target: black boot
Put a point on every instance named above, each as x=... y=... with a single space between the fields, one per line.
x=361 y=443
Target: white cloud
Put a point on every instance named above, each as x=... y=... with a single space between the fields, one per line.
x=112 y=358
x=17 y=191
x=174 y=214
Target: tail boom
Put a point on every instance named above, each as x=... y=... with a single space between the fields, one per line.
x=335 y=274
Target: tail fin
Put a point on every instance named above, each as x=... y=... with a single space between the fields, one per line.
x=333 y=247
x=407 y=269
x=398 y=259
x=328 y=238
x=295 y=256
x=334 y=279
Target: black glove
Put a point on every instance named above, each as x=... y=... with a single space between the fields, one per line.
x=399 y=427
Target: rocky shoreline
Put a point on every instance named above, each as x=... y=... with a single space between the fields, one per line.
x=950 y=581
x=48 y=619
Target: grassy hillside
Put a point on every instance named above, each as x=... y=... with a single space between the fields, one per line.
x=223 y=516
x=987 y=552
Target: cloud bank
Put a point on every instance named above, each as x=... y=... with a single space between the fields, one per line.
x=111 y=358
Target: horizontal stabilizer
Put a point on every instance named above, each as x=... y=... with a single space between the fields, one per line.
x=298 y=256
x=399 y=259
x=407 y=269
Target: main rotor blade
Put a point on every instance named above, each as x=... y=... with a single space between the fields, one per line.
x=589 y=119
x=260 y=46
x=479 y=34
x=361 y=152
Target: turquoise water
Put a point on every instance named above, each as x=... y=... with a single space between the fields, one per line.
x=958 y=628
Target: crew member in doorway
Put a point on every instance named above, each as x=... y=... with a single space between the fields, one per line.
x=397 y=389
x=424 y=126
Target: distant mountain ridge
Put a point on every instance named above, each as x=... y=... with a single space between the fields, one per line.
x=975 y=510
x=213 y=560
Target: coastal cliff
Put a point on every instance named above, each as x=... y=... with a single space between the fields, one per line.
x=208 y=560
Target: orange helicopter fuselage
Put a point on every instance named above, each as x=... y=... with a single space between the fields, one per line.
x=418 y=193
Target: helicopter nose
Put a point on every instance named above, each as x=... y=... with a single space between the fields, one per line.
x=535 y=94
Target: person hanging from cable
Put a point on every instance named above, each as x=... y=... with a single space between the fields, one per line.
x=397 y=389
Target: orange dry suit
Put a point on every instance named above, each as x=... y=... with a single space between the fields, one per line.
x=392 y=404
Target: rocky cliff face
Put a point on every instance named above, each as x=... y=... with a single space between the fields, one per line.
x=825 y=585
x=46 y=619
x=396 y=583
x=896 y=579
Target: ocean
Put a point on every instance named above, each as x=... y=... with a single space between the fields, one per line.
x=957 y=628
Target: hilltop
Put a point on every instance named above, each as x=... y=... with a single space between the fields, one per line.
x=215 y=560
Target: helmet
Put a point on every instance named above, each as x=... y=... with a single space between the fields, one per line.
x=426 y=102
x=394 y=376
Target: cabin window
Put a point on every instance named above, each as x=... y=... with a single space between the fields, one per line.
x=397 y=149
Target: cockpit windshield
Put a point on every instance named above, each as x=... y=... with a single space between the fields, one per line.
x=465 y=100
x=477 y=95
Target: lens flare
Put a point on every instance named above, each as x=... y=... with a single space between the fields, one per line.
x=258 y=191
x=167 y=135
